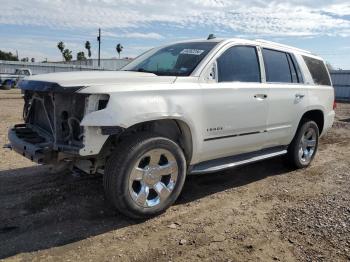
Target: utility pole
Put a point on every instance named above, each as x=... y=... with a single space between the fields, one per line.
x=99 y=46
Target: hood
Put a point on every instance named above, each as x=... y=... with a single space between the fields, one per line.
x=87 y=78
x=76 y=80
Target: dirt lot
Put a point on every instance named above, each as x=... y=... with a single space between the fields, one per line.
x=261 y=212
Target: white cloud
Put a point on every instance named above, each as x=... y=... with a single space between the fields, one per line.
x=143 y=35
x=127 y=21
x=138 y=35
x=294 y=18
x=340 y=9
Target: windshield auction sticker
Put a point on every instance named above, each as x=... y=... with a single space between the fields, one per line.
x=192 y=52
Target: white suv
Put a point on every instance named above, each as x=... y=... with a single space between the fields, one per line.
x=187 y=108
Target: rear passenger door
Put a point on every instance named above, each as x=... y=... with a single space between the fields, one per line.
x=287 y=96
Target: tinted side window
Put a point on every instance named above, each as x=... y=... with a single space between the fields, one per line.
x=318 y=71
x=239 y=63
x=276 y=66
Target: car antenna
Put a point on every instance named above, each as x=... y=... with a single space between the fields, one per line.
x=211 y=36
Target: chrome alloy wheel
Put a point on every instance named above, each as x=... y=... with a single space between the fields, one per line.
x=153 y=177
x=307 y=145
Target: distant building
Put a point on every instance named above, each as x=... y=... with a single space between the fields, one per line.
x=341 y=83
x=106 y=64
x=9 y=67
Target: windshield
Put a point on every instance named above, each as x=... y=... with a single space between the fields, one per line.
x=174 y=60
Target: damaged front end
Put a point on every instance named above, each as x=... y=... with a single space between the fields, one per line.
x=52 y=131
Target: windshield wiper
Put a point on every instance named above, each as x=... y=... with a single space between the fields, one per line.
x=139 y=70
x=144 y=71
x=158 y=73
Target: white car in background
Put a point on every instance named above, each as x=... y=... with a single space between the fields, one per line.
x=9 y=81
x=192 y=107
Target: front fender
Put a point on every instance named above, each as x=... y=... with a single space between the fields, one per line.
x=126 y=109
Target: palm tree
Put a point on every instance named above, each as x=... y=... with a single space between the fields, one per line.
x=67 y=54
x=81 y=56
x=61 y=47
x=119 y=48
x=88 y=47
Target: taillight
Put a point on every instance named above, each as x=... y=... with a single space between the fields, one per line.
x=334 y=105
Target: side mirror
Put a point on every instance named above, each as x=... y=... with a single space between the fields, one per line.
x=213 y=72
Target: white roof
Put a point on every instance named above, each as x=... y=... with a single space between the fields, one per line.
x=261 y=42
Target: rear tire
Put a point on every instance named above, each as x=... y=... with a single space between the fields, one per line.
x=304 y=146
x=145 y=175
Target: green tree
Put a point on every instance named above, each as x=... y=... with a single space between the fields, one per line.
x=81 y=56
x=119 y=49
x=88 y=47
x=8 y=56
x=67 y=55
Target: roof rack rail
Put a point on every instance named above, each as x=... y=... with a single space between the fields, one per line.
x=282 y=45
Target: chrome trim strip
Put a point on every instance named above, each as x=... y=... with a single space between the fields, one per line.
x=230 y=136
x=278 y=128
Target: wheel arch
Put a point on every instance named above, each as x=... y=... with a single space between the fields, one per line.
x=316 y=115
x=175 y=129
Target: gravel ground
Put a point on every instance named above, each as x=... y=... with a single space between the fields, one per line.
x=260 y=212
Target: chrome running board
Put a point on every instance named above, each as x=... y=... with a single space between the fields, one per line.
x=234 y=161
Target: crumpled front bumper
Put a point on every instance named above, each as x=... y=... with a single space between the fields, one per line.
x=30 y=144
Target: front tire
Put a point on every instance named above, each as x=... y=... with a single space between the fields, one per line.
x=145 y=175
x=304 y=146
x=7 y=85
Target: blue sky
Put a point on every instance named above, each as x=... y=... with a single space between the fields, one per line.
x=33 y=27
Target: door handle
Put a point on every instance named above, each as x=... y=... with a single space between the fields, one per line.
x=299 y=96
x=260 y=96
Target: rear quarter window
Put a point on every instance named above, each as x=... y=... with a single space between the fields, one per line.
x=318 y=71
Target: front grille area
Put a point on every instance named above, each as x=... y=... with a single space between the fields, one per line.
x=56 y=116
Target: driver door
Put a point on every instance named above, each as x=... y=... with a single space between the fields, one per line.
x=235 y=106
